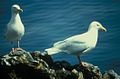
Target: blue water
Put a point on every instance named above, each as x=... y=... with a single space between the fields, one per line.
x=49 y=21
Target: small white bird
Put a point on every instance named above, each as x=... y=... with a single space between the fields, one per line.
x=15 y=27
x=78 y=44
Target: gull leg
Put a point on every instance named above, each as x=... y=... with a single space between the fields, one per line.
x=80 y=62
x=13 y=49
x=18 y=44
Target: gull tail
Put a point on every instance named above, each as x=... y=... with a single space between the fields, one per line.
x=51 y=51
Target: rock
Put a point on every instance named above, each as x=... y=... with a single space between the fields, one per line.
x=37 y=55
x=89 y=71
x=24 y=65
x=80 y=76
x=74 y=71
x=17 y=57
x=111 y=75
x=62 y=73
x=62 y=64
x=21 y=63
x=77 y=75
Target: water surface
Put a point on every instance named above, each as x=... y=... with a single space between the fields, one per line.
x=49 y=21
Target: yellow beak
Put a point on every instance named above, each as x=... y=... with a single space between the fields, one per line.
x=20 y=10
x=103 y=29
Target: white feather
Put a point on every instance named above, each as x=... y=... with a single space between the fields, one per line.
x=15 y=27
x=78 y=44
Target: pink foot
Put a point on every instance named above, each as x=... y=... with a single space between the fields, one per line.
x=16 y=49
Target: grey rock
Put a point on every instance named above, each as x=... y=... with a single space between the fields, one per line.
x=80 y=76
x=17 y=57
x=37 y=55
x=111 y=74
x=24 y=65
x=74 y=71
x=89 y=71
x=62 y=64
x=62 y=74
x=77 y=75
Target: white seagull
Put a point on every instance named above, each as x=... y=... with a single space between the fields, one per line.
x=78 y=44
x=15 y=27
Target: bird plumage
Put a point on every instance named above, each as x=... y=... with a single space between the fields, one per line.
x=78 y=44
x=15 y=27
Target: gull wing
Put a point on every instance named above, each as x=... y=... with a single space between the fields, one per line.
x=71 y=46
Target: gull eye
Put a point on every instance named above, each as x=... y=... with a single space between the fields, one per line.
x=97 y=24
x=14 y=7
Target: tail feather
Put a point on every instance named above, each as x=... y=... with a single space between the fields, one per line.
x=51 y=51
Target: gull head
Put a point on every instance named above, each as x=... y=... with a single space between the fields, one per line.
x=98 y=26
x=16 y=8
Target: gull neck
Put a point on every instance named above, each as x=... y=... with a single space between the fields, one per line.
x=15 y=17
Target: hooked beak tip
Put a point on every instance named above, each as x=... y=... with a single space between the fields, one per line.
x=20 y=10
x=104 y=29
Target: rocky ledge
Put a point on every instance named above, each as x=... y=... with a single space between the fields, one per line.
x=24 y=65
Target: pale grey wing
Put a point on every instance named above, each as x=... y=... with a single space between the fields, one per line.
x=61 y=44
x=73 y=39
x=76 y=47
x=71 y=46
x=58 y=43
